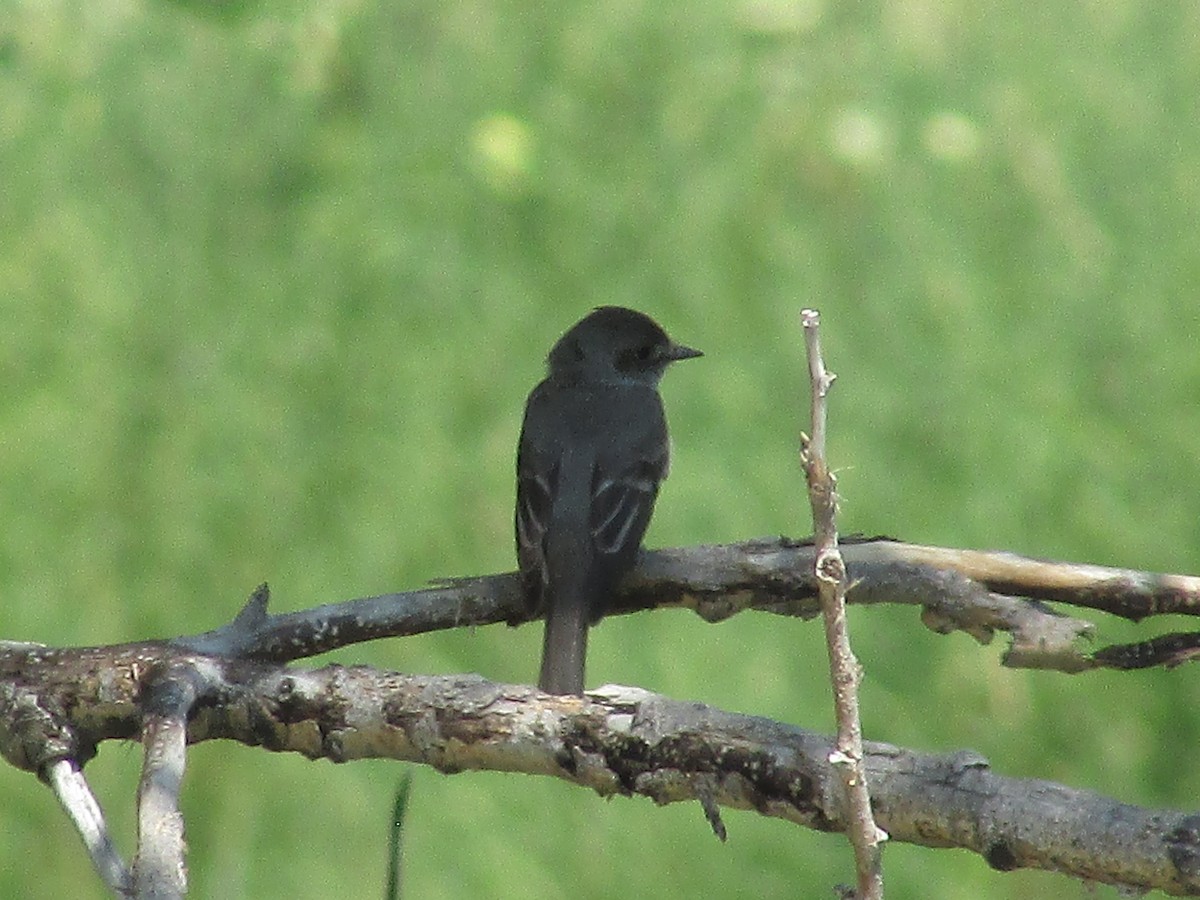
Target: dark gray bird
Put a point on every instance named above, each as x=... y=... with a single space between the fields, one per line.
x=592 y=453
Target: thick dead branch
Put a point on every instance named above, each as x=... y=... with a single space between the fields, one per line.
x=958 y=590
x=58 y=704
x=615 y=741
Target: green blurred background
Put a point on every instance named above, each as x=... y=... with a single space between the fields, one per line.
x=276 y=278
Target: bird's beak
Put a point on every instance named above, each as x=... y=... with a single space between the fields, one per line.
x=677 y=352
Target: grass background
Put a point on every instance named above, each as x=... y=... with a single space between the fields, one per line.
x=275 y=279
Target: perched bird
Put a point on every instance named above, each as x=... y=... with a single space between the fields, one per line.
x=592 y=453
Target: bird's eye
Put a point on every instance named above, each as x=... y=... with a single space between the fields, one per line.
x=644 y=353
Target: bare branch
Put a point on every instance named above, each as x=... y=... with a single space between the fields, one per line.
x=159 y=869
x=111 y=691
x=627 y=741
x=1166 y=650
x=1127 y=593
x=82 y=808
x=820 y=379
x=845 y=672
x=965 y=590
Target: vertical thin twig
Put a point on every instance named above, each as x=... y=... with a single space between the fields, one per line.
x=395 y=839
x=844 y=669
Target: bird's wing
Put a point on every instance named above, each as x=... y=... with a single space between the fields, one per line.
x=622 y=503
x=535 y=497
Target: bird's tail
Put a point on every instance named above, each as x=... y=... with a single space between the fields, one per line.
x=564 y=647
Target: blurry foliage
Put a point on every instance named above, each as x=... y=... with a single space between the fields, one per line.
x=275 y=278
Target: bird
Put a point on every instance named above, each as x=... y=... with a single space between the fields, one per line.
x=592 y=453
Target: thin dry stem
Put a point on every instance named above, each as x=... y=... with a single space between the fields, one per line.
x=845 y=672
